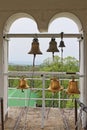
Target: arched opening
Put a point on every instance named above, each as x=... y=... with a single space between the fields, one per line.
x=55 y=27
x=5 y=49
x=58 y=25
x=77 y=43
x=15 y=17
x=52 y=31
x=72 y=44
x=21 y=45
x=71 y=16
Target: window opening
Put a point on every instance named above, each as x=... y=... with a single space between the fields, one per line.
x=42 y=46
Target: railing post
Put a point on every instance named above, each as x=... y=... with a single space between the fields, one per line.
x=76 y=127
x=2 y=119
x=43 y=101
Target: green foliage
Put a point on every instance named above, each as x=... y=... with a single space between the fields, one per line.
x=71 y=103
x=69 y=64
x=13 y=82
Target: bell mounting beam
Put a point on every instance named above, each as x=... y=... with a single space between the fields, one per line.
x=42 y=35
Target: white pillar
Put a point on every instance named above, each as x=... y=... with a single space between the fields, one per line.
x=83 y=80
x=3 y=70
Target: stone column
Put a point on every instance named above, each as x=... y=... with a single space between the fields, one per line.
x=83 y=79
x=3 y=71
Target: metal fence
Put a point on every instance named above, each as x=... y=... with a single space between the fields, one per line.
x=43 y=77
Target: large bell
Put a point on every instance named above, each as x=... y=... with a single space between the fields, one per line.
x=23 y=84
x=52 y=46
x=35 y=47
x=55 y=86
x=73 y=87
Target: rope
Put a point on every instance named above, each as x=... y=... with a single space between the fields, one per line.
x=18 y=119
x=26 y=113
x=51 y=104
x=26 y=110
x=65 y=121
x=32 y=81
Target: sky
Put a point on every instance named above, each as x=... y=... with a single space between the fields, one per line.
x=19 y=47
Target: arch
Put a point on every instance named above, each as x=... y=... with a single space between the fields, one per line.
x=4 y=47
x=70 y=16
x=14 y=17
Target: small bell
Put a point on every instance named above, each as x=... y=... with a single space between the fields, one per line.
x=55 y=86
x=61 y=42
x=35 y=47
x=73 y=87
x=23 y=84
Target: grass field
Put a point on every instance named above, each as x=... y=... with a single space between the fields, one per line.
x=17 y=93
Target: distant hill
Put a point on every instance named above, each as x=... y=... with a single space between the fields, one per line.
x=22 y=63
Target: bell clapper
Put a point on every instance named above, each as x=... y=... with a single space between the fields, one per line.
x=22 y=90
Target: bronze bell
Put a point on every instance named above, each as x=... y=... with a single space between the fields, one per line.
x=52 y=46
x=73 y=87
x=61 y=42
x=23 y=84
x=35 y=47
x=55 y=86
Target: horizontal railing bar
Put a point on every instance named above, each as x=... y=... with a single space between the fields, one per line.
x=32 y=89
x=41 y=73
x=42 y=35
x=18 y=98
x=41 y=79
x=26 y=78
x=29 y=88
x=38 y=72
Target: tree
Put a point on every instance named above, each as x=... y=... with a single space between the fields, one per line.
x=71 y=64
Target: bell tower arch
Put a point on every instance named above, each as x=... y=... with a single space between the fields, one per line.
x=82 y=51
